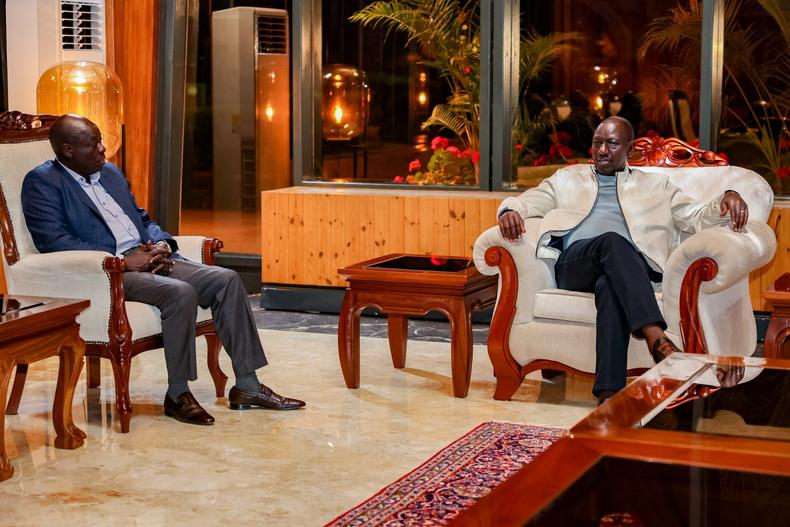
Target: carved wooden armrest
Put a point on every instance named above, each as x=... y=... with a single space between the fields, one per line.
x=119 y=329
x=709 y=262
x=198 y=248
x=211 y=247
x=502 y=320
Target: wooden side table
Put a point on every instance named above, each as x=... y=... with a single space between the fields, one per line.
x=401 y=285
x=779 y=326
x=30 y=334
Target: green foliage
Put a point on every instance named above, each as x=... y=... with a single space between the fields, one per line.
x=448 y=33
x=756 y=68
x=446 y=168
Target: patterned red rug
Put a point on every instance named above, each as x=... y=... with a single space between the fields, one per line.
x=454 y=478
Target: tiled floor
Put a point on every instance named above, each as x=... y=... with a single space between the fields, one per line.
x=419 y=329
x=268 y=468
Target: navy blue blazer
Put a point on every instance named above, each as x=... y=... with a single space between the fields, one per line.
x=61 y=217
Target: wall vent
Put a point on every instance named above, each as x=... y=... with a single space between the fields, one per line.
x=81 y=23
x=272 y=34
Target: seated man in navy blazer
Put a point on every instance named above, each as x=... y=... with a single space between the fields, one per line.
x=80 y=202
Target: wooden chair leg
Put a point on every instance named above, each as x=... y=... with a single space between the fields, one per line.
x=16 y=391
x=219 y=377
x=549 y=374
x=507 y=383
x=121 y=368
x=94 y=372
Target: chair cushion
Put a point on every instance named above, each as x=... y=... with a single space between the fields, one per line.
x=16 y=160
x=570 y=306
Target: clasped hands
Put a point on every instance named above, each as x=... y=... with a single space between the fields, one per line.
x=150 y=257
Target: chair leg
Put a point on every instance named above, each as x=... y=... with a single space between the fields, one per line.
x=121 y=368
x=16 y=391
x=549 y=374
x=219 y=377
x=507 y=382
x=94 y=372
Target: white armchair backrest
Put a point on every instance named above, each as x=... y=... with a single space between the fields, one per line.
x=16 y=160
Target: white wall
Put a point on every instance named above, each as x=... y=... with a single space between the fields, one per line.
x=34 y=45
x=21 y=28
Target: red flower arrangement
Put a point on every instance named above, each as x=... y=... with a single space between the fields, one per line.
x=559 y=151
x=448 y=166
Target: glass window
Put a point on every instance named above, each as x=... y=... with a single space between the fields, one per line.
x=756 y=90
x=400 y=91
x=582 y=61
x=238 y=126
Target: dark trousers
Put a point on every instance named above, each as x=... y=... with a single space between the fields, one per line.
x=611 y=268
x=178 y=295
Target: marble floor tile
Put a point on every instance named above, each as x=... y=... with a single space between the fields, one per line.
x=257 y=467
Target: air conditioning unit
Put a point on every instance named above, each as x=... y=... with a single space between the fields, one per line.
x=250 y=105
x=42 y=33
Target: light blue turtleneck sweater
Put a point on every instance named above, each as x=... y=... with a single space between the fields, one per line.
x=606 y=214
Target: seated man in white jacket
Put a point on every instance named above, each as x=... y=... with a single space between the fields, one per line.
x=609 y=227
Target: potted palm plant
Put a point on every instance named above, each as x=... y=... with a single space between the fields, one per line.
x=756 y=66
x=448 y=33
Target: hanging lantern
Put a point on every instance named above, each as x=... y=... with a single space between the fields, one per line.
x=345 y=100
x=89 y=89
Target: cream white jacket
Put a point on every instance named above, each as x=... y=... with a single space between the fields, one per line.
x=654 y=209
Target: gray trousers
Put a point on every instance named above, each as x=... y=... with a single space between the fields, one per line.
x=178 y=295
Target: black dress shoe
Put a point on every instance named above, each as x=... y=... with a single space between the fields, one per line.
x=187 y=410
x=239 y=399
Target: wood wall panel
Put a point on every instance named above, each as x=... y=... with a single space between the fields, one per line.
x=132 y=40
x=765 y=277
x=308 y=233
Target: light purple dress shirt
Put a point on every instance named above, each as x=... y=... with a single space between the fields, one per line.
x=125 y=233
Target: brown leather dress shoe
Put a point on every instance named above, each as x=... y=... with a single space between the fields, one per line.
x=662 y=348
x=187 y=410
x=239 y=399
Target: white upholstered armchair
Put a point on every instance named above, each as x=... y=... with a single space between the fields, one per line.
x=112 y=328
x=704 y=295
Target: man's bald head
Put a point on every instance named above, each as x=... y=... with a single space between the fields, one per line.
x=67 y=129
x=622 y=122
x=76 y=141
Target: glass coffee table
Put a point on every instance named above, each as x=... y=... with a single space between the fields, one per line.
x=720 y=458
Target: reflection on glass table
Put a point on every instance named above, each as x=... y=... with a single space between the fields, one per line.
x=683 y=393
x=619 y=492
x=759 y=408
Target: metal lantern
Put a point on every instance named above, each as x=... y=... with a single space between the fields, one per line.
x=345 y=100
x=89 y=89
